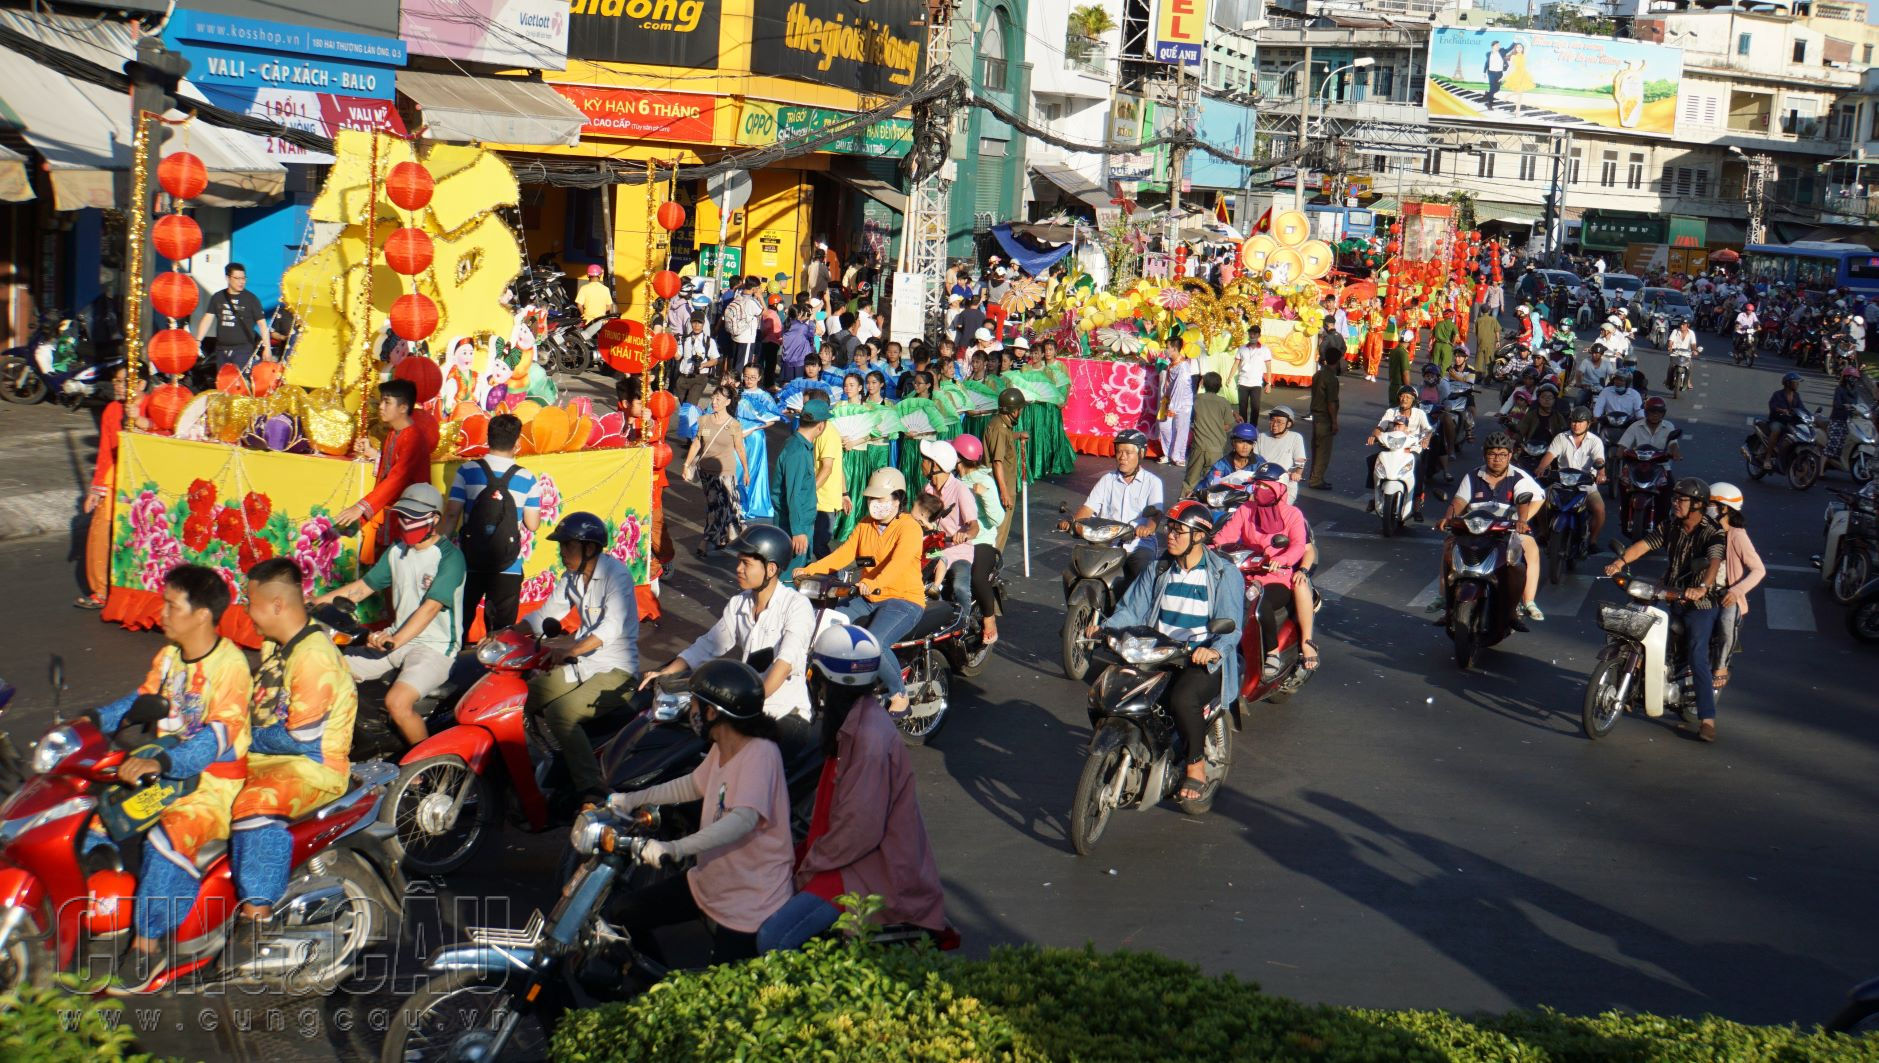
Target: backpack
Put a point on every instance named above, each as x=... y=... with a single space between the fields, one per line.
x=492 y=538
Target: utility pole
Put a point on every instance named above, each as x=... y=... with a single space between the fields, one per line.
x=1184 y=107
x=1304 y=125
x=923 y=241
x=1756 y=191
x=154 y=75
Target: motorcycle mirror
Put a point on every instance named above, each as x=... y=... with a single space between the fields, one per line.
x=1280 y=542
x=1062 y=508
x=55 y=672
x=551 y=628
x=1222 y=626
x=864 y=562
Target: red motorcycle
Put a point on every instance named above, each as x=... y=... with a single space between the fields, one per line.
x=1644 y=480
x=1255 y=686
x=62 y=908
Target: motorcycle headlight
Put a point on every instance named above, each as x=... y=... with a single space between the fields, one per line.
x=669 y=707
x=1104 y=534
x=59 y=743
x=1477 y=525
x=1144 y=649
x=1641 y=590
x=592 y=832
x=490 y=654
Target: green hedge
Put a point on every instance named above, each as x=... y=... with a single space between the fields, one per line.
x=47 y=1024
x=836 y=1002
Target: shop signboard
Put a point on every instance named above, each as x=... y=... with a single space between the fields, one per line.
x=1614 y=232
x=708 y=261
x=671 y=116
x=526 y=33
x=1227 y=125
x=1556 y=80
x=662 y=32
x=241 y=54
x=889 y=138
x=1180 y=31
x=315 y=112
x=863 y=45
x=756 y=124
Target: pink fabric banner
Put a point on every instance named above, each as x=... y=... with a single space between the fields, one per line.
x=1106 y=397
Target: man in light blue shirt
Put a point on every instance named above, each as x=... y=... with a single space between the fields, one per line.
x=1129 y=493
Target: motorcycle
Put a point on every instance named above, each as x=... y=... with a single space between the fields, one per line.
x=1395 y=490
x=1092 y=586
x=1849 y=556
x=1136 y=759
x=1660 y=329
x=1860 y=1014
x=1680 y=378
x=1487 y=573
x=1611 y=428
x=12 y=767
x=1743 y=352
x=1642 y=660
x=1798 y=457
x=1291 y=676
x=1841 y=353
x=1460 y=404
x=59 y=897
x=373 y=736
x=1569 y=532
x=1862 y=614
x=58 y=362
x=561 y=344
x=929 y=653
x=1858 y=452
x=1644 y=489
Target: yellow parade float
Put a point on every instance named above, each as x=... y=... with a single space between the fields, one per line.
x=410 y=285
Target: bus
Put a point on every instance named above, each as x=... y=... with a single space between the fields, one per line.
x=1817 y=265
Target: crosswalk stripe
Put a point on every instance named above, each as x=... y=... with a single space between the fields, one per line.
x=1426 y=595
x=1566 y=598
x=1340 y=579
x=1787 y=610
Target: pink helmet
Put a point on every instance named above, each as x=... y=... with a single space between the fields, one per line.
x=969 y=448
x=594 y=270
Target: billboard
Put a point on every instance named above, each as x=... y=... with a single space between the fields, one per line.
x=662 y=32
x=1555 y=80
x=1180 y=31
x=869 y=46
x=1224 y=125
x=640 y=115
x=527 y=33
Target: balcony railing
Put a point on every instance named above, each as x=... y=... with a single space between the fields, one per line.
x=1859 y=204
x=1086 y=55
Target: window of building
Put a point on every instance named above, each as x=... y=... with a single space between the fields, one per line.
x=1572 y=166
x=1386 y=78
x=1634 y=176
x=1741 y=44
x=1866 y=55
x=1800 y=51
x=996 y=71
x=1529 y=162
x=993 y=148
x=1432 y=162
x=1484 y=164
x=1698 y=110
x=1608 y=169
x=1684 y=181
x=1050 y=112
x=1378 y=164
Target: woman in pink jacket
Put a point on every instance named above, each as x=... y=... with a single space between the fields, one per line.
x=865 y=835
x=1253 y=526
x=1742 y=572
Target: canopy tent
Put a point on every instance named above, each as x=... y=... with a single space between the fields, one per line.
x=1072 y=184
x=478 y=110
x=15 y=186
x=1029 y=256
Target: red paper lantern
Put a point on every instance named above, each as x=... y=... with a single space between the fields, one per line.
x=413 y=316
x=173 y=351
x=661 y=456
x=671 y=216
x=661 y=404
x=176 y=236
x=174 y=295
x=664 y=347
x=409 y=251
x=229 y=381
x=665 y=284
x=422 y=372
x=166 y=404
x=183 y=175
x=409 y=185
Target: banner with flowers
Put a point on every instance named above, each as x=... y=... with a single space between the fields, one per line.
x=1105 y=398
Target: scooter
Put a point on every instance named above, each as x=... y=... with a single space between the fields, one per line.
x=1611 y=428
x=1291 y=676
x=1849 y=557
x=1092 y=586
x=1858 y=452
x=58 y=362
x=1799 y=455
x=1744 y=351
x=1395 y=491
x=373 y=736
x=1644 y=489
x=1569 y=532
x=1136 y=759
x=12 y=767
x=1642 y=664
x=65 y=904
x=1862 y=614
x=929 y=653
x=1679 y=376
x=1486 y=576
x=1460 y=404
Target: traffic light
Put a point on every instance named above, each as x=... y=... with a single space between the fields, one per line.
x=154 y=75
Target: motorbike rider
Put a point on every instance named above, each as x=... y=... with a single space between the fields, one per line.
x=1185 y=592
x=1241 y=442
x=1742 y=572
x=1581 y=450
x=195 y=699
x=1696 y=548
x=742 y=845
x=1850 y=392
x=1406 y=417
x=1619 y=397
x=1682 y=341
x=1497 y=480
x=1285 y=447
x=1267 y=513
x=767 y=625
x=1593 y=372
x=1746 y=323
x=1546 y=418
x=1654 y=431
x=597 y=661
x=1784 y=408
x=957 y=517
x=424 y=573
x=1130 y=493
x=866 y=836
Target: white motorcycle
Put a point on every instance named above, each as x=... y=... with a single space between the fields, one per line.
x=1679 y=378
x=1395 y=497
x=1849 y=556
x=1641 y=666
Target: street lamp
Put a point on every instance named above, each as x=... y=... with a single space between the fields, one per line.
x=1361 y=63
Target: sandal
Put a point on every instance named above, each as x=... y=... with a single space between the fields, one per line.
x=1308 y=656
x=1720 y=679
x=1192 y=789
x=88 y=601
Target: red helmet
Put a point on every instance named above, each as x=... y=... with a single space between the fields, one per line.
x=969 y=447
x=1198 y=518
x=1655 y=404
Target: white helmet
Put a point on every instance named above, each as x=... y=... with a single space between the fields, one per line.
x=847 y=655
x=1726 y=494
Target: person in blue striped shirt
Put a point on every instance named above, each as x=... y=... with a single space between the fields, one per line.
x=493 y=575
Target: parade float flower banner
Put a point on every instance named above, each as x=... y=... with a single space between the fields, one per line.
x=1554 y=80
x=1107 y=396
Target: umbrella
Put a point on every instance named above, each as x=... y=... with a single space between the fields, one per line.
x=1725 y=255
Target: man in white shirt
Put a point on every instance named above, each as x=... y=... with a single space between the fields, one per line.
x=1129 y=493
x=1287 y=448
x=1594 y=371
x=1581 y=450
x=1249 y=367
x=1654 y=431
x=1618 y=397
x=768 y=626
x=596 y=662
x=741 y=320
x=1682 y=338
x=866 y=327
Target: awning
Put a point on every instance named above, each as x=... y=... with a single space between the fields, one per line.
x=15 y=185
x=1723 y=231
x=859 y=179
x=83 y=130
x=1072 y=183
x=492 y=110
x=1508 y=213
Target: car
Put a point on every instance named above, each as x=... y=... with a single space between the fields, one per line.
x=1618 y=287
x=1575 y=287
x=1673 y=304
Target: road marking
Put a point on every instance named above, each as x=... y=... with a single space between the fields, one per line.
x=683 y=522
x=1566 y=598
x=1340 y=579
x=1426 y=595
x=1811 y=570
x=1787 y=610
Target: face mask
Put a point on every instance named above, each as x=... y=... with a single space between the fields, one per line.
x=882 y=509
x=412 y=532
x=696 y=718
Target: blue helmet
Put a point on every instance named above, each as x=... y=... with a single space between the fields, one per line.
x=1791 y=378
x=1268 y=471
x=1246 y=432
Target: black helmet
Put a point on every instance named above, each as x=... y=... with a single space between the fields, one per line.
x=1130 y=437
x=1580 y=413
x=1499 y=441
x=1405 y=390
x=1010 y=400
x=733 y=687
x=766 y=542
x=580 y=527
x=1693 y=489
